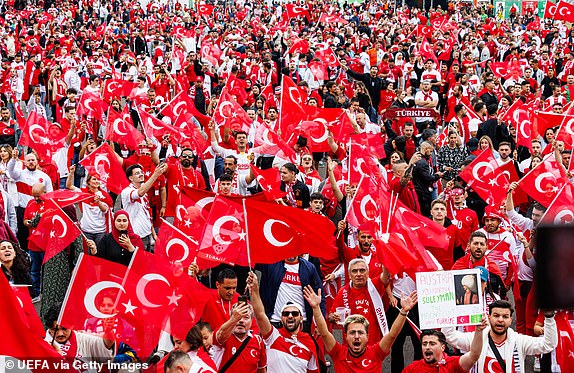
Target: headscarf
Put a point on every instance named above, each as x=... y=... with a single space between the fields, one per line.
x=134 y=238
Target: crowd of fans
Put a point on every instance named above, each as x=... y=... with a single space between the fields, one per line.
x=369 y=61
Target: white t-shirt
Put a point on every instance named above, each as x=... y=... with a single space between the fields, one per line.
x=138 y=209
x=286 y=355
x=290 y=290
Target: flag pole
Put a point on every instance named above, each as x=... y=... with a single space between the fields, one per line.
x=247 y=235
x=352 y=200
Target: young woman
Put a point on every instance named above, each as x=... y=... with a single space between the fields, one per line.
x=95 y=212
x=15 y=263
x=484 y=143
x=118 y=246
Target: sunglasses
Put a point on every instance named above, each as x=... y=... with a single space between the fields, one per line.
x=288 y=313
x=187 y=156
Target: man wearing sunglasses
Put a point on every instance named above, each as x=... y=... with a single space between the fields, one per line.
x=288 y=349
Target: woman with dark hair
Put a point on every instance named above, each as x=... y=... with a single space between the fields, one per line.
x=118 y=246
x=15 y=263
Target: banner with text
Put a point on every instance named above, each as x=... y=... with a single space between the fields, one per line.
x=449 y=298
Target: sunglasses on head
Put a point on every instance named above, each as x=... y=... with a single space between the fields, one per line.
x=288 y=313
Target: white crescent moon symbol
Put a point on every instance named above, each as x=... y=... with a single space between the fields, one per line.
x=217 y=228
x=539 y=179
x=523 y=128
x=266 y=138
x=552 y=9
x=99 y=159
x=563 y=214
x=142 y=283
x=562 y=11
x=177 y=241
x=323 y=137
x=159 y=100
x=366 y=199
x=64 y=227
x=298 y=100
x=92 y=293
x=152 y=125
x=204 y=202
x=251 y=353
x=480 y=165
x=176 y=108
x=222 y=105
x=269 y=234
x=363 y=363
x=568 y=127
x=291 y=350
x=32 y=128
x=87 y=104
x=359 y=166
x=506 y=256
x=116 y=129
x=489 y=366
x=178 y=213
x=110 y=85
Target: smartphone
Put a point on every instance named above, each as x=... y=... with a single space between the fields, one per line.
x=243 y=298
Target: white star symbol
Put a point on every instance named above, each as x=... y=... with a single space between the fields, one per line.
x=378 y=219
x=554 y=189
x=129 y=307
x=242 y=235
x=492 y=182
x=187 y=223
x=173 y=298
x=52 y=234
x=104 y=176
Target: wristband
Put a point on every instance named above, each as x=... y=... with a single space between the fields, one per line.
x=405 y=314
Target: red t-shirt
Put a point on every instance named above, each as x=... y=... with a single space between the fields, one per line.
x=30 y=212
x=450 y=364
x=253 y=357
x=217 y=311
x=359 y=302
x=371 y=361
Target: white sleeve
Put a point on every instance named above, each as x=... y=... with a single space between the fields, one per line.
x=457 y=339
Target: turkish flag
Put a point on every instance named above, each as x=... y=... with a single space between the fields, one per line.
x=237 y=88
x=66 y=197
x=561 y=210
x=370 y=204
x=431 y=234
x=328 y=57
x=544 y=181
x=299 y=46
x=153 y=127
x=276 y=233
x=152 y=291
x=116 y=88
x=373 y=141
x=205 y=9
x=27 y=311
x=182 y=104
x=565 y=348
x=316 y=133
x=508 y=116
x=39 y=134
x=361 y=163
x=223 y=238
x=549 y=10
x=424 y=30
x=270 y=182
x=484 y=176
x=499 y=252
x=566 y=132
x=189 y=308
x=91 y=105
x=294 y=11
x=55 y=231
x=21 y=342
x=210 y=52
x=394 y=253
x=319 y=70
x=175 y=245
x=544 y=120
x=268 y=142
x=343 y=131
x=230 y=114
x=425 y=261
x=104 y=164
x=564 y=11
x=500 y=69
x=427 y=52
x=20 y=118
x=292 y=110
x=523 y=127
x=96 y=282
x=120 y=129
x=181 y=32
x=190 y=136
x=333 y=18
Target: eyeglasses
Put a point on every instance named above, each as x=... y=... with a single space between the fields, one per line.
x=288 y=313
x=186 y=156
